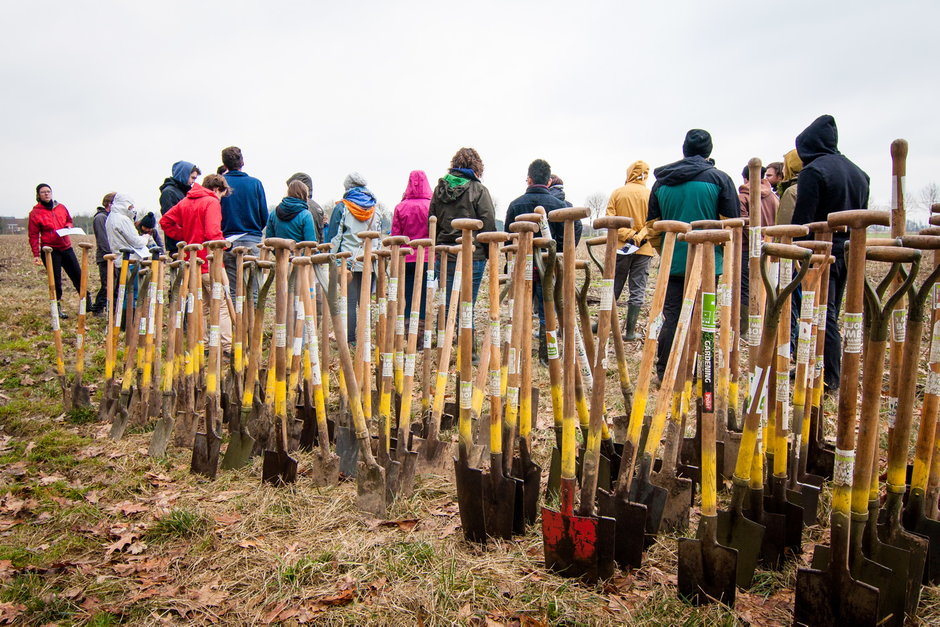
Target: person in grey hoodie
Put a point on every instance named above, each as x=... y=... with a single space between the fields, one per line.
x=120 y=227
x=101 y=249
x=174 y=189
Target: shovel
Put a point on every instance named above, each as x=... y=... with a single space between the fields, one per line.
x=734 y=398
x=56 y=331
x=325 y=467
x=81 y=396
x=631 y=516
x=363 y=357
x=499 y=489
x=164 y=427
x=574 y=545
x=120 y=414
x=347 y=446
x=145 y=357
x=836 y=595
x=110 y=393
x=915 y=516
x=642 y=489
x=734 y=528
x=707 y=571
x=469 y=479
x=206 y=445
x=186 y=402
x=278 y=467
x=370 y=476
x=728 y=362
x=429 y=320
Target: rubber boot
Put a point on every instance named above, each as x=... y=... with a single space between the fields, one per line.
x=629 y=331
x=543 y=347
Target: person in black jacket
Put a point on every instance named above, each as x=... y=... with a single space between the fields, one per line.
x=689 y=189
x=538 y=194
x=829 y=182
x=101 y=249
x=174 y=189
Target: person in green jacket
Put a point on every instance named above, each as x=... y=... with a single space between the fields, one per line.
x=292 y=218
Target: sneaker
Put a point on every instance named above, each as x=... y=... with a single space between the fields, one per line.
x=62 y=313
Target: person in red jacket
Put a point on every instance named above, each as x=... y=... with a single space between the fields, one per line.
x=197 y=219
x=47 y=217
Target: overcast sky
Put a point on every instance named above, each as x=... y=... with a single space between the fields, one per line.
x=106 y=95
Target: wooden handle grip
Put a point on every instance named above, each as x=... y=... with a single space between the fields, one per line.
x=859 y=218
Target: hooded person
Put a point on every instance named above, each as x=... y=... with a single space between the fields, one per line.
x=410 y=219
x=46 y=218
x=556 y=187
x=121 y=229
x=197 y=219
x=315 y=209
x=292 y=218
x=352 y=215
x=689 y=189
x=461 y=194
x=632 y=200
x=787 y=188
x=174 y=188
x=829 y=182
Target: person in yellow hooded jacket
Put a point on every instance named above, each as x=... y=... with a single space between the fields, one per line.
x=633 y=258
x=792 y=164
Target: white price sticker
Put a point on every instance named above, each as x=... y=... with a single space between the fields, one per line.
x=298 y=345
x=214 y=335
x=440 y=339
x=899 y=324
x=528 y=267
x=190 y=303
x=393 y=289
x=142 y=328
x=239 y=304
x=755 y=242
x=935 y=343
x=494 y=332
x=821 y=311
x=843 y=468
x=853 y=332
x=216 y=290
x=607 y=294
x=79 y=341
x=432 y=284
x=656 y=326
x=458 y=279
x=413 y=322
x=512 y=361
x=892 y=411
x=428 y=338
x=495 y=382
x=512 y=396
x=804 y=346
x=409 y=365
x=387 y=364
x=316 y=375
x=808 y=306
x=754 y=330
x=399 y=360
x=82 y=303
x=724 y=295
x=466 y=315
x=466 y=394
x=280 y=335
x=400 y=324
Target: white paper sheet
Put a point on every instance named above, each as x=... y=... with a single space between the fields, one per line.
x=72 y=231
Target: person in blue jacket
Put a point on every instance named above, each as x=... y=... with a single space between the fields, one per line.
x=244 y=212
x=292 y=218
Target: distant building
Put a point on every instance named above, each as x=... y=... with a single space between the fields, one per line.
x=12 y=226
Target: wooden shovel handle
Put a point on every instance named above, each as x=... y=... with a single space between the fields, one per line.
x=613 y=222
x=523 y=226
x=786 y=230
x=786 y=251
x=815 y=245
x=706 y=236
x=568 y=213
x=600 y=240
x=892 y=254
x=670 y=226
x=924 y=241
x=700 y=225
x=466 y=224
x=859 y=218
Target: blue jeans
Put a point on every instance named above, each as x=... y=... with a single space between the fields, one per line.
x=479 y=267
x=251 y=242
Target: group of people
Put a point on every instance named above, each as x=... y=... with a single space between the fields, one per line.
x=230 y=204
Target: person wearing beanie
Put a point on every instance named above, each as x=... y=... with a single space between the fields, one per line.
x=633 y=258
x=291 y=219
x=410 y=219
x=148 y=226
x=313 y=206
x=174 y=189
x=351 y=216
x=829 y=182
x=101 y=249
x=46 y=217
x=244 y=211
x=689 y=189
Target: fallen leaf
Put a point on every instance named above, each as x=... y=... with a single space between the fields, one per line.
x=92 y=497
x=247 y=544
x=9 y=612
x=125 y=540
x=207 y=597
x=227 y=519
x=128 y=508
x=49 y=479
x=407 y=524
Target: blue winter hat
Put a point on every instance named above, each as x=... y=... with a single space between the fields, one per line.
x=182 y=170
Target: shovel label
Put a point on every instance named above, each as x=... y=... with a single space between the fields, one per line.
x=142 y=327
x=935 y=343
x=804 y=345
x=393 y=289
x=190 y=303
x=753 y=391
x=466 y=394
x=753 y=330
x=821 y=317
x=315 y=374
x=528 y=267
x=708 y=312
x=466 y=315
x=413 y=322
x=298 y=345
x=551 y=344
x=755 y=241
x=440 y=339
x=783 y=350
x=494 y=332
x=216 y=290
x=81 y=306
x=79 y=341
x=399 y=361
x=724 y=295
x=808 y=305
x=179 y=320
x=387 y=364
x=280 y=335
x=853 y=333
x=786 y=271
x=432 y=283
x=512 y=396
x=239 y=304
x=428 y=338
x=299 y=308
x=409 y=365
x=400 y=324
x=933 y=383
x=214 y=335
x=54 y=310
x=607 y=294
x=899 y=326
x=382 y=306
x=495 y=382
x=512 y=361
x=892 y=411
x=367 y=350
x=783 y=397
x=843 y=468
x=458 y=279
x=656 y=326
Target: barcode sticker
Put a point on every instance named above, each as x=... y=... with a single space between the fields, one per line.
x=843 y=467
x=409 y=365
x=528 y=267
x=755 y=241
x=466 y=394
x=393 y=289
x=466 y=315
x=280 y=335
x=892 y=411
x=607 y=294
x=387 y=364
x=214 y=335
x=853 y=332
x=808 y=306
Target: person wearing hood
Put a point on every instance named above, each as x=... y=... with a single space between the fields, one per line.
x=556 y=187
x=829 y=182
x=632 y=200
x=101 y=249
x=174 y=189
x=121 y=229
x=351 y=216
x=197 y=219
x=689 y=189
x=46 y=217
x=292 y=219
x=787 y=187
x=461 y=194
x=410 y=219
x=313 y=206
x=244 y=210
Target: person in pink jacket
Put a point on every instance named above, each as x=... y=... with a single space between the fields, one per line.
x=411 y=220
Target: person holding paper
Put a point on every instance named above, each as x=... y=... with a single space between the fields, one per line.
x=46 y=218
x=633 y=258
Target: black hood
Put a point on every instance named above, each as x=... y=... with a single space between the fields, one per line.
x=172 y=182
x=682 y=170
x=818 y=139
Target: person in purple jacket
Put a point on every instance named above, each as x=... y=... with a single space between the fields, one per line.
x=411 y=220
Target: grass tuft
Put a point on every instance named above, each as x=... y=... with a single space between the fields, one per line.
x=179 y=524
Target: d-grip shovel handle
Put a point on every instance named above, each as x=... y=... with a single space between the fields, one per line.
x=878 y=312
x=783 y=251
x=858 y=218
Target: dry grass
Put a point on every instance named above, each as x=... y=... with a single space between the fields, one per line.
x=95 y=532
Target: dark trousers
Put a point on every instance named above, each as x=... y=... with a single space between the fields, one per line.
x=101 y=298
x=410 y=286
x=636 y=269
x=64 y=260
x=671 y=308
x=833 y=347
x=479 y=267
x=352 y=305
